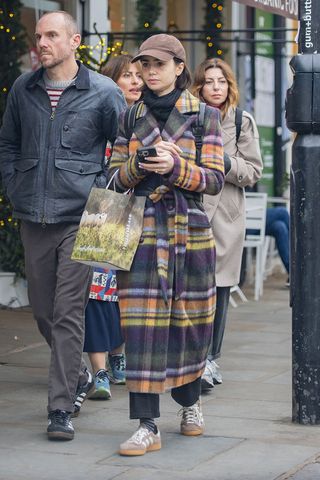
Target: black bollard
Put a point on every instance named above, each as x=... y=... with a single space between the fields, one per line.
x=303 y=117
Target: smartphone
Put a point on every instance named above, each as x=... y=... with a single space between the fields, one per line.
x=144 y=152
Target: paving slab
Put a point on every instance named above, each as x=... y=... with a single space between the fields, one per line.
x=309 y=472
x=249 y=433
x=203 y=449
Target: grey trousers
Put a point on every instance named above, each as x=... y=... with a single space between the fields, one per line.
x=58 y=291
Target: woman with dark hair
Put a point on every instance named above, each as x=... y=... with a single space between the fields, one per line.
x=167 y=300
x=127 y=76
x=102 y=320
x=215 y=84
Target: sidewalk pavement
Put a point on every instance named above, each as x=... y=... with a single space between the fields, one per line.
x=249 y=434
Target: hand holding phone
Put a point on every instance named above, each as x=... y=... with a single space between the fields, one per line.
x=145 y=152
x=162 y=161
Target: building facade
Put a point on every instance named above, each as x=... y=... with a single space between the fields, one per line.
x=256 y=42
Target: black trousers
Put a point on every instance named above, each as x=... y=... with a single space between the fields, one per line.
x=219 y=325
x=146 y=405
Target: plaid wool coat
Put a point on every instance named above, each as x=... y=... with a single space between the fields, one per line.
x=167 y=300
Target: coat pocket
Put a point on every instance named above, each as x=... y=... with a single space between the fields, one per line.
x=25 y=164
x=81 y=130
x=22 y=189
x=71 y=184
x=230 y=210
x=78 y=167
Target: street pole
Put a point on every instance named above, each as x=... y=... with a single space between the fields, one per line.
x=303 y=117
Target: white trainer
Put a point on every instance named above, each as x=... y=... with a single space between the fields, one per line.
x=192 y=422
x=142 y=441
x=211 y=376
x=207 y=377
x=216 y=375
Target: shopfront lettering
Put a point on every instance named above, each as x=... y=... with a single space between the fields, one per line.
x=286 y=8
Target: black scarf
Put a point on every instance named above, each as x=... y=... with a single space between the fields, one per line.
x=161 y=107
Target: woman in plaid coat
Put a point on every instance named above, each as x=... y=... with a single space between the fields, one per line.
x=167 y=300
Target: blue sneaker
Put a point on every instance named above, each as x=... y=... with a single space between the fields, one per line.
x=117 y=365
x=101 y=386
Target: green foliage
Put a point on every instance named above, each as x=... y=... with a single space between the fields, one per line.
x=148 y=12
x=12 y=46
x=11 y=250
x=213 y=27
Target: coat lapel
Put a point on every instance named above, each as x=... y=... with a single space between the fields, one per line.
x=146 y=129
x=176 y=125
x=180 y=119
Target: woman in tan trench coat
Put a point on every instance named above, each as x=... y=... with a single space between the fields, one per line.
x=216 y=85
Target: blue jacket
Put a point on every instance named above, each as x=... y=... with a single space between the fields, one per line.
x=49 y=161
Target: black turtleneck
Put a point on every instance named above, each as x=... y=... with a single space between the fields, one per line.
x=161 y=107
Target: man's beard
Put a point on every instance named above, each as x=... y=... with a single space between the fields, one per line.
x=52 y=62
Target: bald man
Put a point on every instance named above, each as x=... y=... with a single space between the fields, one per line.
x=52 y=143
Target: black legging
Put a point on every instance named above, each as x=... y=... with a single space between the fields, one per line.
x=146 y=405
x=223 y=295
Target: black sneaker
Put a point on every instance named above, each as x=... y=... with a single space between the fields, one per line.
x=82 y=393
x=59 y=425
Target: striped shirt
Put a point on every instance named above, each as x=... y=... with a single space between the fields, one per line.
x=54 y=95
x=55 y=89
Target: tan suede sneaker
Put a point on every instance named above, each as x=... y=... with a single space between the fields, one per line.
x=142 y=441
x=192 y=423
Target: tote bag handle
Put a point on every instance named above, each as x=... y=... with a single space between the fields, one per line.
x=112 y=179
x=114 y=187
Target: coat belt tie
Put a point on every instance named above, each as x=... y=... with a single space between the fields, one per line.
x=160 y=197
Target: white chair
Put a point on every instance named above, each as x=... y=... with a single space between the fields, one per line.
x=236 y=289
x=270 y=256
x=256 y=209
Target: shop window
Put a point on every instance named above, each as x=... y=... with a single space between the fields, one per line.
x=31 y=11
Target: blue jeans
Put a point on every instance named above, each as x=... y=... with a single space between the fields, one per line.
x=277 y=226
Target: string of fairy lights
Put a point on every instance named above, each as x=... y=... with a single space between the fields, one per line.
x=87 y=53
x=5 y=29
x=214 y=16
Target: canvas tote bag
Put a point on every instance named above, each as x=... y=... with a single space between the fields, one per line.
x=110 y=229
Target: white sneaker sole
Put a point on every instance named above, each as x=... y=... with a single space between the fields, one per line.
x=138 y=452
x=115 y=381
x=100 y=394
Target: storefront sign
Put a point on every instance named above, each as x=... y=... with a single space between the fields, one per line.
x=309 y=41
x=286 y=8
